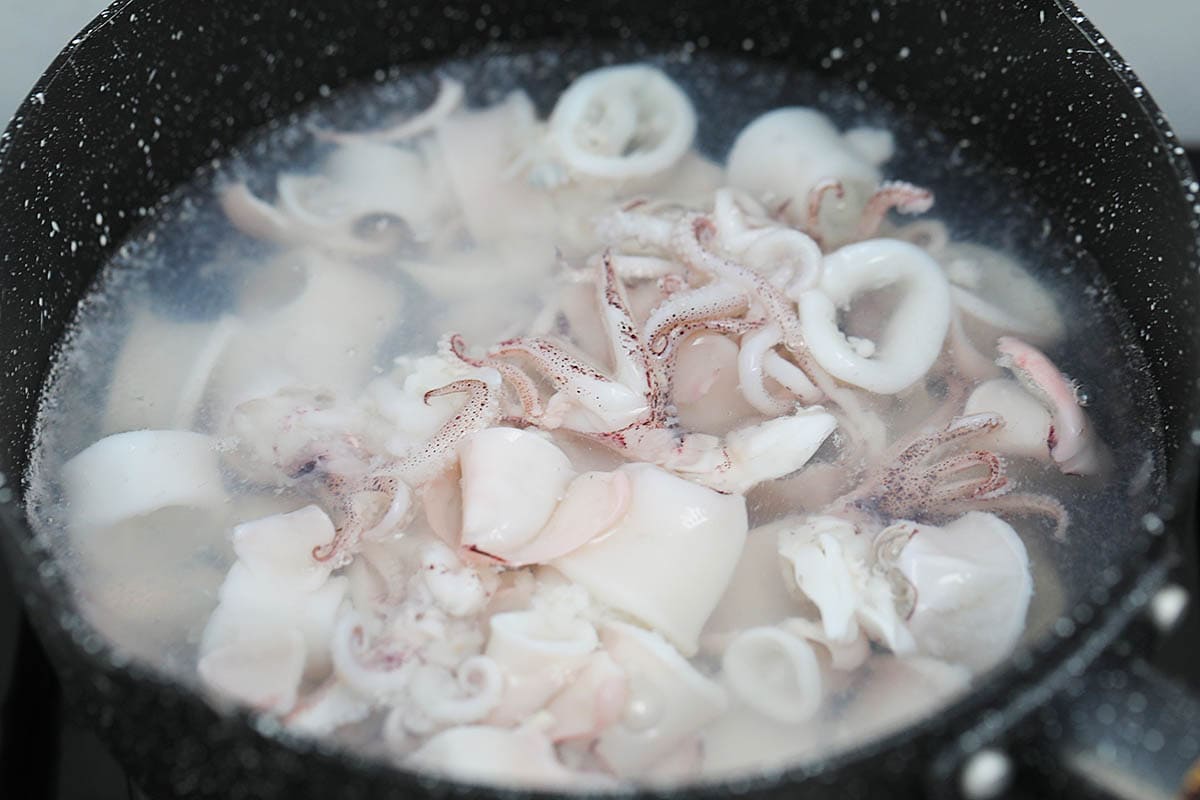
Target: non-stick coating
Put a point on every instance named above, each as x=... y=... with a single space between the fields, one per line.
x=154 y=89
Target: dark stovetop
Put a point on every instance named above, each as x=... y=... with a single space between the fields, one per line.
x=47 y=755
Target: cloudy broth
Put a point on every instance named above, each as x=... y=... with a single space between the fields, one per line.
x=290 y=308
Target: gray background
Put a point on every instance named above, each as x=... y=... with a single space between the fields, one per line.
x=1159 y=37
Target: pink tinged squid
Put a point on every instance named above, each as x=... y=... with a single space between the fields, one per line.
x=296 y=437
x=592 y=701
x=366 y=662
x=705 y=388
x=440 y=697
x=539 y=655
x=536 y=510
x=280 y=547
x=417 y=651
x=670 y=520
x=592 y=504
x=455 y=586
x=406 y=416
x=913 y=336
x=505 y=508
x=758 y=361
x=694 y=241
x=423 y=463
x=668 y=700
x=1074 y=446
x=971 y=584
x=713 y=310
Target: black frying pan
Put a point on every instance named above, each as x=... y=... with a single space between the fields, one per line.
x=153 y=89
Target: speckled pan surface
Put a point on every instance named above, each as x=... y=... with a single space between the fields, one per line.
x=156 y=88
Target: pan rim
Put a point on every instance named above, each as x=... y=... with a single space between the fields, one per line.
x=1173 y=503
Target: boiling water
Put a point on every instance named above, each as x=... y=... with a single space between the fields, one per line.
x=150 y=584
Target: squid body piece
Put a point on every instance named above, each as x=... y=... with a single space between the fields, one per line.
x=494 y=203
x=668 y=700
x=161 y=372
x=324 y=336
x=912 y=338
x=538 y=655
x=828 y=560
x=757 y=594
x=591 y=702
x=512 y=480
x=276 y=586
x=252 y=608
x=1074 y=445
x=279 y=547
x=263 y=673
x=594 y=502
x=973 y=588
x=773 y=448
x=1026 y=429
x=667 y=563
x=783 y=154
x=705 y=384
x=996 y=292
x=621 y=123
x=362 y=179
x=130 y=474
